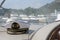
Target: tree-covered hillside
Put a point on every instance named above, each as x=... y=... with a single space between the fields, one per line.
x=46 y=9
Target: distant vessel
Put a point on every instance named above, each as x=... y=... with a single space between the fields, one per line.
x=58 y=17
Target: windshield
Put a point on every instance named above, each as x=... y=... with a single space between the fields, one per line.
x=31 y=13
x=22 y=4
x=38 y=10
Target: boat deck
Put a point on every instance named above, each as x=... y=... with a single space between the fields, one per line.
x=5 y=36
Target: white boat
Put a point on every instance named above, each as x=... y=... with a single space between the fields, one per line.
x=9 y=35
x=45 y=33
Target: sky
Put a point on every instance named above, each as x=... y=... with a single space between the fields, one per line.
x=22 y=4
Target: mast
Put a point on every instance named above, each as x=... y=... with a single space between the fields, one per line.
x=2 y=3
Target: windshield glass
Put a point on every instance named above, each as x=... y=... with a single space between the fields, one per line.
x=28 y=15
x=33 y=11
x=22 y=4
